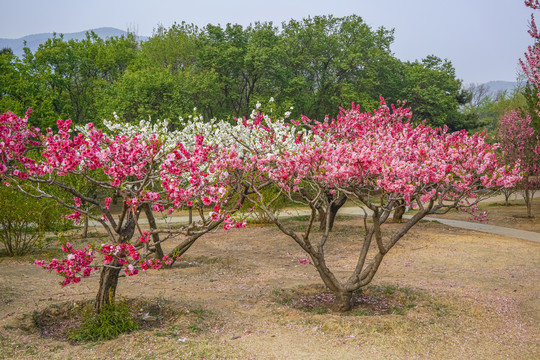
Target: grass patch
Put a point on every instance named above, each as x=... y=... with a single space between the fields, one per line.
x=319 y=311
x=205 y=348
x=359 y=313
x=77 y=321
x=114 y=320
x=502 y=204
x=296 y=218
x=199 y=319
x=432 y=222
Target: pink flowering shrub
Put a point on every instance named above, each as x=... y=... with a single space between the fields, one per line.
x=378 y=160
x=525 y=147
x=520 y=145
x=531 y=65
x=76 y=264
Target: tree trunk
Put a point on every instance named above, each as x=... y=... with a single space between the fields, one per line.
x=109 y=275
x=528 y=202
x=333 y=209
x=107 y=287
x=343 y=301
x=399 y=211
x=527 y=195
x=322 y=219
x=155 y=237
x=85 y=228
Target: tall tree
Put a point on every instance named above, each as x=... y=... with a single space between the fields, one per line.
x=64 y=78
x=331 y=62
x=431 y=88
x=521 y=145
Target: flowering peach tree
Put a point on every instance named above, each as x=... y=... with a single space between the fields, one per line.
x=378 y=161
x=520 y=145
x=144 y=169
x=517 y=136
x=531 y=64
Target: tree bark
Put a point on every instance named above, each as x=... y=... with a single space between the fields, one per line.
x=343 y=302
x=85 y=228
x=107 y=287
x=109 y=275
x=528 y=202
x=333 y=209
x=155 y=237
x=527 y=195
x=399 y=211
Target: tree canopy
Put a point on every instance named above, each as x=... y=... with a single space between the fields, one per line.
x=316 y=65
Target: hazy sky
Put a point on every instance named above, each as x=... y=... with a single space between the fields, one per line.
x=483 y=38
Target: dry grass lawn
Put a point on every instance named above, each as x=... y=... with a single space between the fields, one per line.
x=441 y=293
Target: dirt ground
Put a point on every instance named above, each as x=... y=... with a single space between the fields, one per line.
x=242 y=294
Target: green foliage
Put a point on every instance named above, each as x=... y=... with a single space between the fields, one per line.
x=64 y=79
x=24 y=221
x=489 y=111
x=330 y=62
x=531 y=107
x=316 y=65
x=272 y=199
x=435 y=95
x=113 y=321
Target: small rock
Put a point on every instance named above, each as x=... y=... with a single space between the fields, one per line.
x=148 y=317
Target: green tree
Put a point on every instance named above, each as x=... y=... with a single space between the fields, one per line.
x=332 y=62
x=64 y=79
x=78 y=71
x=531 y=106
x=142 y=93
x=24 y=221
x=432 y=90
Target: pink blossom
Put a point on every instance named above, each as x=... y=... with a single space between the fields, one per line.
x=108 y=203
x=145 y=237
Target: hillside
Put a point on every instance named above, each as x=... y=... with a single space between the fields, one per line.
x=495 y=87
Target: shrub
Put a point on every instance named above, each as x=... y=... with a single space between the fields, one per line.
x=24 y=220
x=112 y=321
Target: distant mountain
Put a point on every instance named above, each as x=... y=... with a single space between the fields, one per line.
x=496 y=87
x=33 y=41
